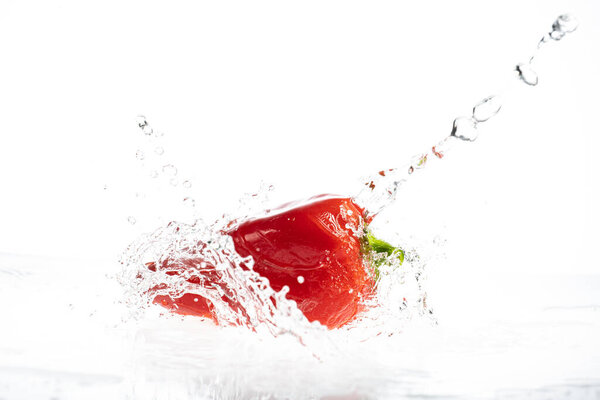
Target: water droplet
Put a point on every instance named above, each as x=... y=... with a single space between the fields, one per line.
x=189 y=202
x=159 y=150
x=440 y=149
x=195 y=299
x=527 y=74
x=147 y=129
x=564 y=24
x=153 y=174
x=418 y=162
x=300 y=279
x=141 y=121
x=139 y=155
x=487 y=108
x=439 y=241
x=545 y=39
x=187 y=184
x=169 y=170
x=350 y=291
x=465 y=128
x=131 y=220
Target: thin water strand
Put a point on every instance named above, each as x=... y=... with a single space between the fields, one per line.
x=381 y=189
x=563 y=25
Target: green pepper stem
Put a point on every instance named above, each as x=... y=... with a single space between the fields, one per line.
x=379 y=246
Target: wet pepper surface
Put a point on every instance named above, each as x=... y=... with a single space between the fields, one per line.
x=316 y=248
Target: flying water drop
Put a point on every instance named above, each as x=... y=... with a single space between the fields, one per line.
x=487 y=108
x=418 y=162
x=527 y=74
x=141 y=121
x=189 y=202
x=465 y=128
x=440 y=149
x=147 y=130
x=169 y=170
x=564 y=24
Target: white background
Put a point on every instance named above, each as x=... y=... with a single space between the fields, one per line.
x=309 y=96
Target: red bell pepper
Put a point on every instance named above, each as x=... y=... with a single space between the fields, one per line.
x=320 y=249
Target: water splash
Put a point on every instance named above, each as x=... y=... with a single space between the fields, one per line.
x=180 y=246
x=241 y=297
